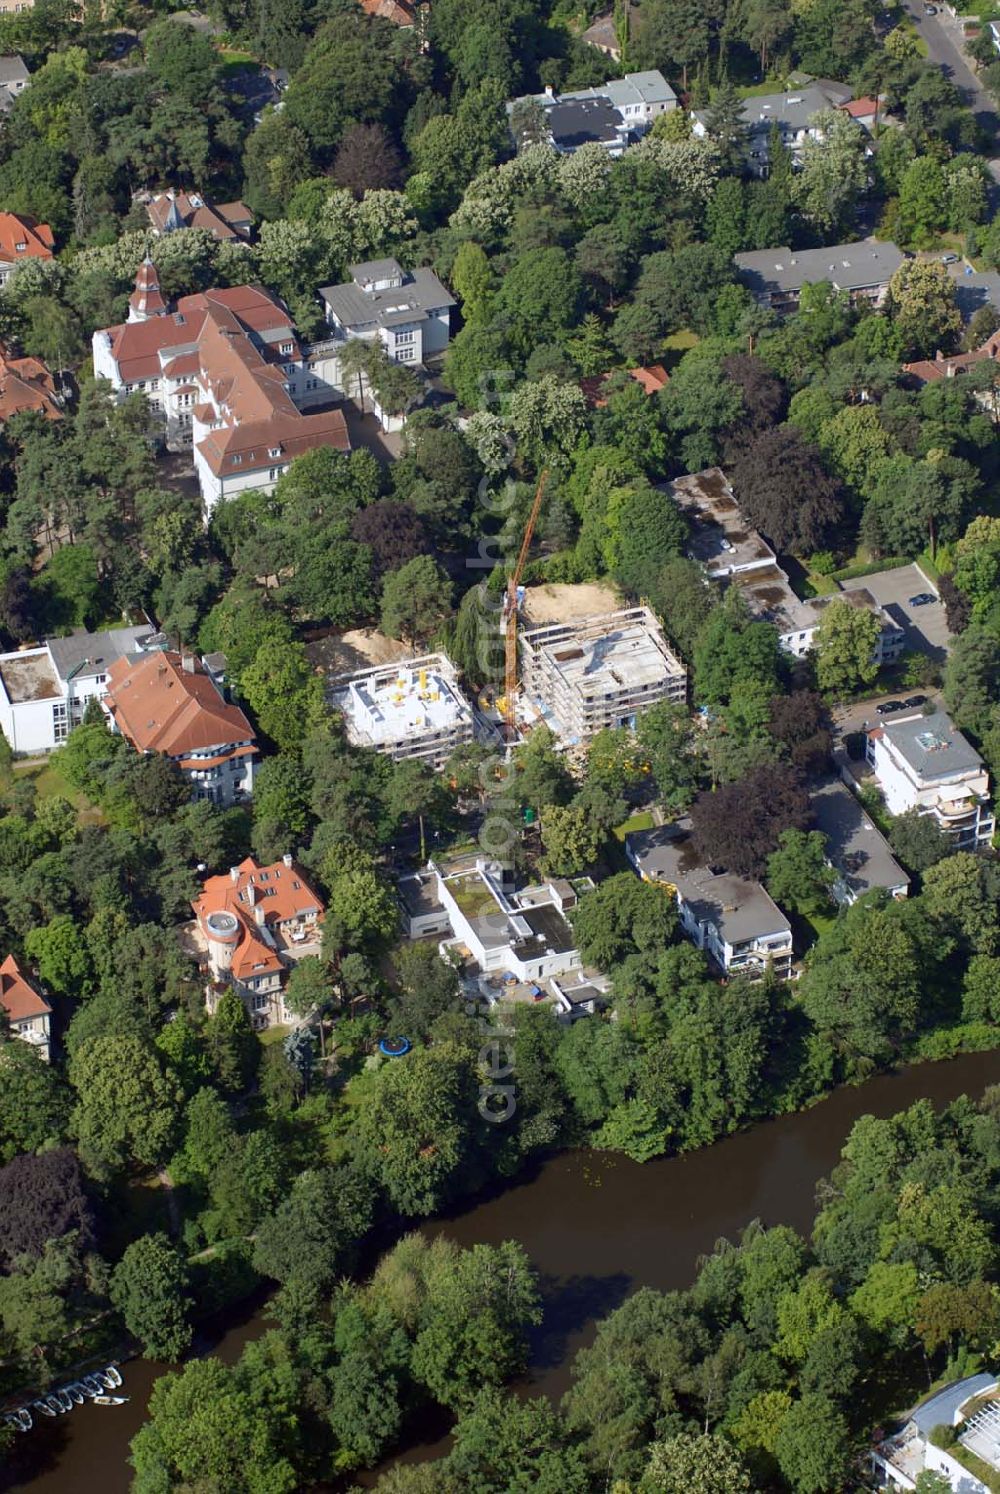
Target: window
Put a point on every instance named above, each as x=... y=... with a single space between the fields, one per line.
x=406 y=355
x=402 y=338
x=288 y=347
x=274 y=451
x=60 y=721
x=237 y=459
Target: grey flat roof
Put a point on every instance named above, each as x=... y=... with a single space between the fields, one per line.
x=29 y=676
x=376 y=269
x=981 y=288
x=13 y=70
x=739 y=908
x=649 y=87
x=854 y=844
x=932 y=746
x=421 y=292
x=576 y=122
x=418 y=894
x=94 y=653
x=720 y=538
x=794 y=109
x=854 y=266
x=942 y=1408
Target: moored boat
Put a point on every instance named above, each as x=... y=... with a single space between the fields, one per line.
x=110 y=1400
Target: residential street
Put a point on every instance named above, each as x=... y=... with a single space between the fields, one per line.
x=943 y=38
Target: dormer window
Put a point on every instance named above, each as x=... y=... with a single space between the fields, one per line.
x=21 y=247
x=237 y=459
x=288 y=347
x=274 y=451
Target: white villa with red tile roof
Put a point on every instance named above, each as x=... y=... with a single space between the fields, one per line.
x=254 y=924
x=168 y=702
x=27 y=1011
x=22 y=238
x=227 y=371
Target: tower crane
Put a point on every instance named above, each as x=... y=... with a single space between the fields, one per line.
x=510 y=640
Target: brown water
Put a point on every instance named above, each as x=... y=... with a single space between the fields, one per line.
x=596 y=1226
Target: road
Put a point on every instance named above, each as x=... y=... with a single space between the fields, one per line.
x=854 y=716
x=943 y=37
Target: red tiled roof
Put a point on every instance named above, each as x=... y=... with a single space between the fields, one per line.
x=224 y=220
x=18 y=996
x=136 y=346
x=279 y=890
x=26 y=384
x=861 y=108
x=396 y=11
x=651 y=379
x=247 y=447
x=160 y=706
x=24 y=238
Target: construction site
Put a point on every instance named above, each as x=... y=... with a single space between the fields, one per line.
x=578 y=678
x=413 y=709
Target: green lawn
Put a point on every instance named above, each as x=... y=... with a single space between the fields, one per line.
x=275 y=1034
x=642 y=820
x=50 y=784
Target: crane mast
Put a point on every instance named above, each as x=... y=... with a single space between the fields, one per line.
x=510 y=640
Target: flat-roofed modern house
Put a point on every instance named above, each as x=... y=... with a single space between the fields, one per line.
x=734 y=554
x=720 y=538
x=525 y=933
x=970 y=1408
x=862 y=270
x=733 y=919
x=579 y=678
x=44 y=691
x=28 y=1014
x=408 y=311
x=614 y=115
x=171 y=703
x=414 y=709
x=856 y=849
x=255 y=923
x=925 y=763
x=792 y=113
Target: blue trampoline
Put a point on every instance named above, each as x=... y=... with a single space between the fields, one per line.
x=394 y=1047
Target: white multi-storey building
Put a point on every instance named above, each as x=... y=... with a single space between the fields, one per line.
x=414 y=709
x=582 y=677
x=230 y=377
x=44 y=691
x=732 y=918
x=408 y=311
x=924 y=763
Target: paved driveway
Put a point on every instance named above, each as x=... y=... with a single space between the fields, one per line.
x=944 y=46
x=926 y=628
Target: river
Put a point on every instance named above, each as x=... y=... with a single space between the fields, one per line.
x=596 y=1226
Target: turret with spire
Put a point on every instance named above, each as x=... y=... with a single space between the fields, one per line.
x=146 y=300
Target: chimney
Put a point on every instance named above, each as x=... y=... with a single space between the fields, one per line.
x=251 y=893
x=259 y=914
x=234 y=873
x=939 y=356
x=287 y=859
x=187 y=663
x=550 y=92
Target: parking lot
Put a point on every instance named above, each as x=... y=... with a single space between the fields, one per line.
x=926 y=628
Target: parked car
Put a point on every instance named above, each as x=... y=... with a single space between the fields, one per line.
x=922 y=599
x=930 y=10
x=888 y=706
x=913 y=701
x=949 y=259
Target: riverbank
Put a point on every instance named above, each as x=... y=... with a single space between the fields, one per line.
x=597 y=1227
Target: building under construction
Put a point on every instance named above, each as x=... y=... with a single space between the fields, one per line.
x=578 y=678
x=409 y=710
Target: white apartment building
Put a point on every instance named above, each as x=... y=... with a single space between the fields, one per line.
x=44 y=691
x=924 y=763
x=579 y=678
x=230 y=378
x=972 y=1408
x=413 y=709
x=614 y=116
x=733 y=919
x=408 y=311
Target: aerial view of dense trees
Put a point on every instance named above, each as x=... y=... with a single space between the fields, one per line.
x=168 y=1164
